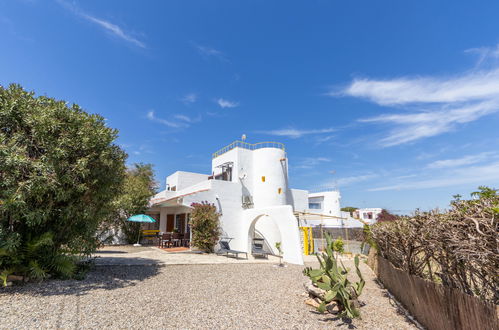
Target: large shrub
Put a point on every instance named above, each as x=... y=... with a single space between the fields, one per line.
x=205 y=226
x=59 y=173
x=137 y=189
x=458 y=248
x=385 y=216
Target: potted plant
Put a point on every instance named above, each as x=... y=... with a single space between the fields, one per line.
x=278 y=247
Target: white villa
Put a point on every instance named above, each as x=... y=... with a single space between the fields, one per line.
x=249 y=187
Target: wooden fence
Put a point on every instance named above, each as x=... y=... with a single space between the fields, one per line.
x=436 y=306
x=355 y=234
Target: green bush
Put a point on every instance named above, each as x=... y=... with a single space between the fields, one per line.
x=205 y=226
x=60 y=171
x=338 y=245
x=137 y=189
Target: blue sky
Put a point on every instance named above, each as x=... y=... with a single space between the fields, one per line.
x=396 y=103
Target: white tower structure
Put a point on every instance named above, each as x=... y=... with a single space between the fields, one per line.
x=270 y=179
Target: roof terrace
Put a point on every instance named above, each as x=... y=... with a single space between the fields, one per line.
x=249 y=146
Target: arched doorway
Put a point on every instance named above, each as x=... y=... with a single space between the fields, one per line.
x=264 y=227
x=275 y=224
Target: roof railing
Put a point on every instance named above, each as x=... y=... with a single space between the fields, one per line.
x=249 y=146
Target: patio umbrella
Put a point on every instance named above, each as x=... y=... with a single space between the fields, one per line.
x=141 y=218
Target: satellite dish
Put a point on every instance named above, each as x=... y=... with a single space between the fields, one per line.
x=243 y=137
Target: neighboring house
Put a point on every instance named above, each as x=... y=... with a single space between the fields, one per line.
x=249 y=186
x=368 y=215
x=324 y=210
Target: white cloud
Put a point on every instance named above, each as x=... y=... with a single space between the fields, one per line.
x=106 y=25
x=187 y=119
x=210 y=51
x=296 y=133
x=477 y=175
x=474 y=86
x=414 y=126
x=320 y=140
x=169 y=123
x=466 y=160
x=349 y=180
x=226 y=103
x=485 y=53
x=311 y=162
x=189 y=98
x=434 y=105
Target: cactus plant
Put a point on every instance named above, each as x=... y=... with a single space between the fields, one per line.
x=332 y=278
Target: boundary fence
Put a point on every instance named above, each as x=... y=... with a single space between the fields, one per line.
x=436 y=306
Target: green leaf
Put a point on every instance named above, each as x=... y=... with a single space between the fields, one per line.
x=324 y=286
x=330 y=295
x=315 y=272
x=322 y=307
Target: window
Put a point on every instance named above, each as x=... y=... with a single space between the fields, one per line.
x=315 y=206
x=226 y=174
x=315 y=203
x=177 y=222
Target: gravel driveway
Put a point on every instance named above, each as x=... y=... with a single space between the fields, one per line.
x=186 y=296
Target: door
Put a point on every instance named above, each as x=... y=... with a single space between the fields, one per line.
x=170 y=221
x=180 y=223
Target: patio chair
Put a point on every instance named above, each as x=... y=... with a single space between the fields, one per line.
x=225 y=249
x=176 y=239
x=166 y=240
x=186 y=239
x=257 y=248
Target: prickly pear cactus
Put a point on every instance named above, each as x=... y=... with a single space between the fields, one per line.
x=332 y=278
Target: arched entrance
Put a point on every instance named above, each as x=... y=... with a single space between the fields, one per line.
x=275 y=224
x=264 y=227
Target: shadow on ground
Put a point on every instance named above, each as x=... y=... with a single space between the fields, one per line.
x=112 y=252
x=99 y=278
x=398 y=305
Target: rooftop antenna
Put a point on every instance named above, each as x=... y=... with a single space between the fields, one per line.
x=243 y=137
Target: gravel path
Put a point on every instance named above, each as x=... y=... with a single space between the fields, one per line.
x=237 y=296
x=132 y=256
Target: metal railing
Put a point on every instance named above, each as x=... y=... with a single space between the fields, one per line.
x=249 y=146
x=322 y=188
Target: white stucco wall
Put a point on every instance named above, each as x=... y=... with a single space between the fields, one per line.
x=276 y=223
x=298 y=198
x=182 y=180
x=272 y=218
x=330 y=201
x=226 y=196
x=269 y=177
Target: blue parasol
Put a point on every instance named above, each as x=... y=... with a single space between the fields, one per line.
x=141 y=218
